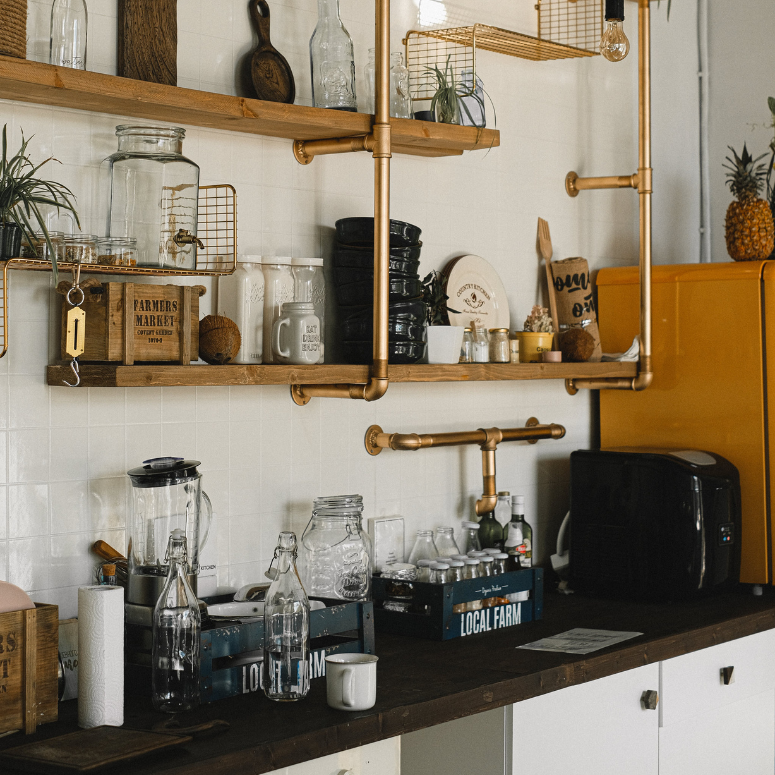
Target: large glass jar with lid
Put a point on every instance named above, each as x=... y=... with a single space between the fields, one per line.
x=336 y=553
x=154 y=196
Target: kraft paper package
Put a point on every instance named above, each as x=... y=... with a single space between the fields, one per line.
x=575 y=301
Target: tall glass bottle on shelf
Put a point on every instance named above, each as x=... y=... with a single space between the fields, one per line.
x=332 y=61
x=400 y=99
x=490 y=532
x=370 y=76
x=69 y=20
x=286 y=628
x=176 y=634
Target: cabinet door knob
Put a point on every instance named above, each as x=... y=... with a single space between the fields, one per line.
x=728 y=675
x=649 y=700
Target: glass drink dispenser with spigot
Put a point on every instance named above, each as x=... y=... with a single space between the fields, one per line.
x=166 y=495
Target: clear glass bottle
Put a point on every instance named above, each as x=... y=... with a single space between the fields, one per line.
x=424 y=547
x=467 y=348
x=309 y=285
x=439 y=573
x=490 y=532
x=370 y=76
x=481 y=345
x=486 y=565
x=445 y=542
x=241 y=299
x=332 y=61
x=400 y=99
x=503 y=509
x=499 y=345
x=154 y=195
x=336 y=559
x=491 y=551
x=423 y=570
x=286 y=628
x=471 y=571
x=470 y=538
x=69 y=27
x=455 y=573
x=278 y=289
x=176 y=635
x=499 y=564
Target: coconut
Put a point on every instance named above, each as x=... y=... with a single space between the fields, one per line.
x=577 y=345
x=219 y=339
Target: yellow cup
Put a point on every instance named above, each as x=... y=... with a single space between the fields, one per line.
x=531 y=345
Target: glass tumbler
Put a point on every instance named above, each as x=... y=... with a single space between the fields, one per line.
x=335 y=552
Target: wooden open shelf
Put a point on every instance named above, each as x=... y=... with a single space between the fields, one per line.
x=177 y=376
x=64 y=87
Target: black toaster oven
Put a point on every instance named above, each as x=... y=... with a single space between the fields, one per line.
x=653 y=524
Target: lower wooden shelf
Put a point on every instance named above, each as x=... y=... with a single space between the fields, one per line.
x=177 y=376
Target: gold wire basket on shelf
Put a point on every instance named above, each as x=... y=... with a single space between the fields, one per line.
x=566 y=29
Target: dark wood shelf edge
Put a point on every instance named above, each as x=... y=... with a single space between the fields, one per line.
x=116 y=375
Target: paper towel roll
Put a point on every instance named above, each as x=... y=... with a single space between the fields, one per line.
x=101 y=656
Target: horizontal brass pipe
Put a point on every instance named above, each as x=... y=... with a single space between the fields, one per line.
x=574 y=184
x=306 y=150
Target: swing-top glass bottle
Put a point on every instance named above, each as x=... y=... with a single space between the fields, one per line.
x=332 y=61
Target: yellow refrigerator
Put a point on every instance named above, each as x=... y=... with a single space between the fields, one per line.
x=714 y=378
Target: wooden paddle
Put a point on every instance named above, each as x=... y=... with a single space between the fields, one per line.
x=270 y=71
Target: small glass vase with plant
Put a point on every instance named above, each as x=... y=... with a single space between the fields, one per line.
x=22 y=195
x=458 y=102
x=444 y=340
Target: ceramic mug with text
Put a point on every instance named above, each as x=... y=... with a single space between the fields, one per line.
x=296 y=334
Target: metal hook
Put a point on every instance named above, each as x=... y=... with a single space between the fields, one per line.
x=75 y=368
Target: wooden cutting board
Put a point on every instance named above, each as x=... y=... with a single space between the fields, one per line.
x=88 y=750
x=272 y=75
x=148 y=40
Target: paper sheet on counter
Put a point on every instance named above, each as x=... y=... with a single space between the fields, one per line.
x=580 y=641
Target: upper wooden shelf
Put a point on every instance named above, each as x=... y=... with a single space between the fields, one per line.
x=173 y=375
x=42 y=84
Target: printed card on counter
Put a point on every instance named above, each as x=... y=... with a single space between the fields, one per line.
x=580 y=641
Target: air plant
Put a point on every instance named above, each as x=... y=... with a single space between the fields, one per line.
x=447 y=102
x=22 y=194
x=435 y=299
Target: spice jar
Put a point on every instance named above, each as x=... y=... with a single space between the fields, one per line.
x=399 y=588
x=467 y=348
x=471 y=571
x=514 y=350
x=37 y=247
x=117 y=251
x=499 y=345
x=481 y=345
x=80 y=249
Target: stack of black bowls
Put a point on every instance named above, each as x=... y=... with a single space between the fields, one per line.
x=354 y=283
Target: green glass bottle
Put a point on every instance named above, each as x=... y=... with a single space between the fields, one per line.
x=490 y=532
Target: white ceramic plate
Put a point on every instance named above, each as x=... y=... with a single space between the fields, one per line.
x=475 y=289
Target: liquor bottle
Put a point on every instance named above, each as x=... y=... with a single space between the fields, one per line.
x=490 y=532
x=286 y=628
x=176 y=635
x=525 y=549
x=332 y=61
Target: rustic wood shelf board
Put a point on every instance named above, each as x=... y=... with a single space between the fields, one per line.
x=175 y=376
x=43 y=84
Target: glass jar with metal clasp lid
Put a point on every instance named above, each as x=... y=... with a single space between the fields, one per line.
x=335 y=552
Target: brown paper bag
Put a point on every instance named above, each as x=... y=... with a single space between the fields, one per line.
x=575 y=300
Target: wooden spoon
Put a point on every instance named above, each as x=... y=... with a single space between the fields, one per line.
x=546 y=251
x=272 y=75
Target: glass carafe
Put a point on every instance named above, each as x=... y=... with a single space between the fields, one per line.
x=166 y=494
x=332 y=61
x=176 y=629
x=69 y=23
x=286 y=628
x=154 y=196
x=336 y=554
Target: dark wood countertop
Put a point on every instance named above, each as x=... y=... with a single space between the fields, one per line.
x=423 y=683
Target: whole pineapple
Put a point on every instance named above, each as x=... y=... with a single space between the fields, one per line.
x=750 y=231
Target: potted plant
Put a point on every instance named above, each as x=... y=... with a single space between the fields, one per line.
x=21 y=197
x=457 y=102
x=537 y=337
x=444 y=340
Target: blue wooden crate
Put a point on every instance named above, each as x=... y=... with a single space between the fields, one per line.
x=440 y=622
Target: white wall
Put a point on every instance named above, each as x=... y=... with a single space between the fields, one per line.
x=64 y=453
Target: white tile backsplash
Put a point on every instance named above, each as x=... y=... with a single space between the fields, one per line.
x=64 y=453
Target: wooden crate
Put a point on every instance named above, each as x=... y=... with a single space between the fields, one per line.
x=442 y=623
x=134 y=322
x=28 y=668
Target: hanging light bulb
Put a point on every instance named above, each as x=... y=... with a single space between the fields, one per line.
x=614 y=45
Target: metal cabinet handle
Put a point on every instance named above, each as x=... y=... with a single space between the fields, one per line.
x=728 y=675
x=649 y=700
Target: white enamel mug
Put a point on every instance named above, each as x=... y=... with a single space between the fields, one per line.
x=351 y=681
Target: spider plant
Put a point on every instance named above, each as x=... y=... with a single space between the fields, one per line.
x=22 y=194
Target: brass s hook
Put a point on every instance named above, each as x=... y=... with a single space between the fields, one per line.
x=74 y=367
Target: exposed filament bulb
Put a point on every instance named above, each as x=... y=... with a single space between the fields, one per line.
x=614 y=45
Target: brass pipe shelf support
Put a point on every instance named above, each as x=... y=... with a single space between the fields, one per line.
x=642 y=182
x=486 y=438
x=380 y=144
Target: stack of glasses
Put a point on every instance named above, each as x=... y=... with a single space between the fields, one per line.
x=354 y=277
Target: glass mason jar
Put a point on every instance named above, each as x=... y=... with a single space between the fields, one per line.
x=309 y=285
x=481 y=346
x=81 y=248
x=154 y=196
x=336 y=553
x=370 y=76
x=37 y=247
x=278 y=289
x=69 y=23
x=499 y=345
x=400 y=99
x=467 y=348
x=332 y=61
x=424 y=548
x=117 y=251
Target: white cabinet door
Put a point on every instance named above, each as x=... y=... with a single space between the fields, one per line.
x=736 y=738
x=382 y=758
x=597 y=728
